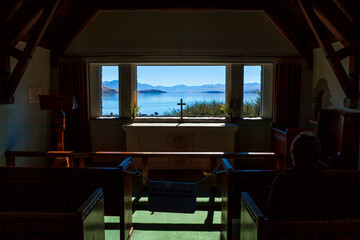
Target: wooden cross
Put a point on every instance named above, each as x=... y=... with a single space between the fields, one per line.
x=181 y=108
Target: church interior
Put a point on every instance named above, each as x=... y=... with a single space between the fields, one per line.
x=71 y=172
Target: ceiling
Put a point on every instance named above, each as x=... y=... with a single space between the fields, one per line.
x=54 y=24
x=71 y=16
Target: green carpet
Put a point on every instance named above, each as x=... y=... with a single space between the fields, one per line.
x=169 y=235
x=179 y=226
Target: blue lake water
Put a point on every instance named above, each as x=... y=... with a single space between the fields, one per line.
x=162 y=102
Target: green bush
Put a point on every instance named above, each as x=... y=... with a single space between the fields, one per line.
x=212 y=108
x=198 y=108
x=252 y=108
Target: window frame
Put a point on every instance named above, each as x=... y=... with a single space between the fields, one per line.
x=234 y=86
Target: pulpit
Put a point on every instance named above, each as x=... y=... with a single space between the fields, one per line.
x=58 y=104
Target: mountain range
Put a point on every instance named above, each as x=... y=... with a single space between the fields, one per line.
x=113 y=85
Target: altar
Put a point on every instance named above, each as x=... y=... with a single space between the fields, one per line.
x=179 y=137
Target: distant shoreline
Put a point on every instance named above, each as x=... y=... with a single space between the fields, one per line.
x=151 y=91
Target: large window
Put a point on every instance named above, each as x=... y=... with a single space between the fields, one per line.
x=160 y=89
x=164 y=90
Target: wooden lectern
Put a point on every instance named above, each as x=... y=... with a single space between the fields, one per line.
x=58 y=103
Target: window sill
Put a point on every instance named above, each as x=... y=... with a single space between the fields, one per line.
x=185 y=119
x=107 y=118
x=177 y=119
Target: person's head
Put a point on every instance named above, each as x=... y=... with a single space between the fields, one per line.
x=305 y=149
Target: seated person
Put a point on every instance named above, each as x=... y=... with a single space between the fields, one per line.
x=303 y=191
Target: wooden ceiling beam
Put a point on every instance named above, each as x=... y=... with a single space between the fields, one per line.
x=342 y=53
x=24 y=19
x=335 y=21
x=300 y=37
x=14 y=9
x=13 y=52
x=344 y=9
x=69 y=30
x=349 y=85
x=8 y=86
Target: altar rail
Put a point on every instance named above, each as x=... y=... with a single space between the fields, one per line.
x=268 y=160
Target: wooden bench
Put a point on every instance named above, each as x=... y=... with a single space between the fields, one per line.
x=281 y=139
x=257 y=183
x=254 y=225
x=242 y=160
x=46 y=215
x=67 y=184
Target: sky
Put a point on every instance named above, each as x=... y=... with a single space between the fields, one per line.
x=187 y=75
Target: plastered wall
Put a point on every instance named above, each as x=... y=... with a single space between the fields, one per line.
x=23 y=126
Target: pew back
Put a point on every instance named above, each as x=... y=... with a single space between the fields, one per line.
x=258 y=184
x=85 y=221
x=31 y=188
x=254 y=226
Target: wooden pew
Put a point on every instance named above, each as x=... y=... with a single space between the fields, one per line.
x=64 y=216
x=257 y=183
x=254 y=225
x=232 y=184
x=242 y=160
x=66 y=184
x=339 y=134
x=281 y=139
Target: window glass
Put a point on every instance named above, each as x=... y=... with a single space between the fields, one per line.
x=161 y=89
x=109 y=90
x=252 y=95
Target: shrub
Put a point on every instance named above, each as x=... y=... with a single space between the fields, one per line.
x=252 y=108
x=198 y=108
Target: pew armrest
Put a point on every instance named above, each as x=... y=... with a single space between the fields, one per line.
x=126 y=163
x=250 y=206
x=251 y=218
x=90 y=203
x=226 y=164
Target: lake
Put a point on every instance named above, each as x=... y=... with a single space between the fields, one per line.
x=162 y=102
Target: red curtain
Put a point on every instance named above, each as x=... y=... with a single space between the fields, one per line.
x=74 y=80
x=287 y=95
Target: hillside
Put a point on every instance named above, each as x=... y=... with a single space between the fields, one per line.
x=150 y=91
x=248 y=87
x=108 y=90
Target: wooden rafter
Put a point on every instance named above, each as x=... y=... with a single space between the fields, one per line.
x=282 y=17
x=68 y=30
x=14 y=9
x=336 y=23
x=19 y=25
x=349 y=83
x=344 y=9
x=9 y=85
